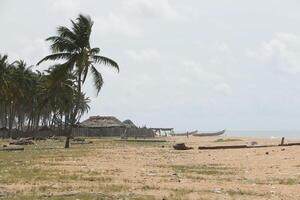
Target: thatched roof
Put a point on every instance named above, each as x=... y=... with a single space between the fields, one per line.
x=129 y=123
x=102 y=122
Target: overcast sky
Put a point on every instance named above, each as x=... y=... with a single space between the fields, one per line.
x=190 y=64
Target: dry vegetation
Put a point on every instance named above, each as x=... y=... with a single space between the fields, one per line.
x=110 y=169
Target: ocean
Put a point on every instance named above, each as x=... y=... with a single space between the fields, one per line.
x=265 y=134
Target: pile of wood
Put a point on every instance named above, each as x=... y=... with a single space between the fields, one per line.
x=40 y=138
x=181 y=146
x=11 y=148
x=22 y=141
x=80 y=141
x=248 y=147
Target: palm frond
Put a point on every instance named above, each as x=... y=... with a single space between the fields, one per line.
x=98 y=80
x=61 y=44
x=85 y=73
x=56 y=56
x=65 y=32
x=106 y=61
x=94 y=51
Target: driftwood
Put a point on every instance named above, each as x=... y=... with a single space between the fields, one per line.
x=291 y=144
x=78 y=139
x=81 y=142
x=139 y=140
x=237 y=147
x=248 y=147
x=223 y=147
x=181 y=146
x=23 y=141
x=40 y=138
x=12 y=149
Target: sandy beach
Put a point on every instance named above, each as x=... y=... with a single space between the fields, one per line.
x=138 y=170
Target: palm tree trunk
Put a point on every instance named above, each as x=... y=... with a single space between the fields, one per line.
x=67 y=144
x=75 y=113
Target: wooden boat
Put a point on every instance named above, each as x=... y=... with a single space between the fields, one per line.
x=209 y=134
x=184 y=134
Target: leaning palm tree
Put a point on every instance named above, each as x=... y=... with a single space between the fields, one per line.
x=72 y=46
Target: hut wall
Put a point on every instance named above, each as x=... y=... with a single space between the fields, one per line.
x=112 y=132
x=139 y=132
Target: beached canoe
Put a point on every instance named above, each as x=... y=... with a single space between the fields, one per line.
x=209 y=134
x=184 y=134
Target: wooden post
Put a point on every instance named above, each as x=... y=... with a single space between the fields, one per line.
x=282 y=141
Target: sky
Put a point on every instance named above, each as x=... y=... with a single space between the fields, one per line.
x=204 y=65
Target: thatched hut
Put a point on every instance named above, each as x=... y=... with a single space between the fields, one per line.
x=101 y=126
x=109 y=126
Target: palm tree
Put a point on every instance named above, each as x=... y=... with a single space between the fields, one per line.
x=72 y=45
x=4 y=76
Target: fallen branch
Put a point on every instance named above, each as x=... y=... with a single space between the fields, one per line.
x=245 y=146
x=12 y=149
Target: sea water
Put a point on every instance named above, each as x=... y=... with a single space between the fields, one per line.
x=292 y=134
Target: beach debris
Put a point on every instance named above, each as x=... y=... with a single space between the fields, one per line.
x=12 y=148
x=283 y=149
x=22 y=141
x=222 y=147
x=40 y=138
x=181 y=146
x=267 y=153
x=292 y=144
x=218 y=191
x=282 y=141
x=254 y=143
x=82 y=142
x=141 y=140
x=247 y=146
x=78 y=139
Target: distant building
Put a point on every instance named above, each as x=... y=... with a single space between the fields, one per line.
x=109 y=126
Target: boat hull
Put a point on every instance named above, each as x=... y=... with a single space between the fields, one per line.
x=184 y=134
x=209 y=134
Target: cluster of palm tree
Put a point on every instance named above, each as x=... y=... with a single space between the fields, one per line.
x=31 y=99
x=54 y=97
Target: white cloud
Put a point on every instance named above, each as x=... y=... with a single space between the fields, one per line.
x=223 y=88
x=69 y=6
x=116 y=24
x=152 y=9
x=281 y=52
x=143 y=55
x=196 y=69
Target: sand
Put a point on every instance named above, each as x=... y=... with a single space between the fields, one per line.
x=157 y=171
